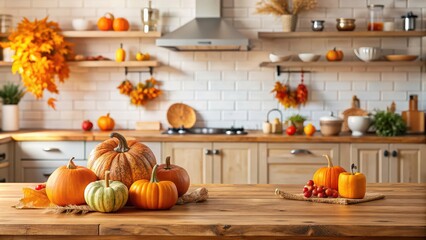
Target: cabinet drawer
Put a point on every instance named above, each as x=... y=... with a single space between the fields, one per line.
x=55 y=150
x=39 y=171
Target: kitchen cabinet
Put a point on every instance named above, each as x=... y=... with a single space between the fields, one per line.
x=343 y=34
x=288 y=163
x=6 y=163
x=35 y=161
x=390 y=163
x=227 y=163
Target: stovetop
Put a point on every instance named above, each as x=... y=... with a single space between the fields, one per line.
x=207 y=131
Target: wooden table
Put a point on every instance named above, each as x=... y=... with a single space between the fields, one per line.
x=231 y=212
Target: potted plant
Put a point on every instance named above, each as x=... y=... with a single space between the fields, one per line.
x=297 y=120
x=389 y=123
x=288 y=12
x=11 y=94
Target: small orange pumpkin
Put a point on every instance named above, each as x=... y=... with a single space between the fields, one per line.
x=153 y=194
x=127 y=161
x=334 y=55
x=105 y=23
x=328 y=176
x=120 y=24
x=352 y=185
x=65 y=186
x=178 y=175
x=106 y=123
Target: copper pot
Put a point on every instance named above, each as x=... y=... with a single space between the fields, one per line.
x=345 y=24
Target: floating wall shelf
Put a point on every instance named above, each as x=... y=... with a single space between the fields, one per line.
x=110 y=34
x=371 y=34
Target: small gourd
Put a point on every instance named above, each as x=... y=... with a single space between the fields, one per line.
x=178 y=175
x=352 y=185
x=120 y=24
x=106 y=195
x=120 y=54
x=65 y=186
x=106 y=123
x=105 y=22
x=153 y=194
x=328 y=176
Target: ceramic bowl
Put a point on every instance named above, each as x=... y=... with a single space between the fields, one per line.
x=367 y=54
x=80 y=24
x=359 y=124
x=330 y=126
x=309 y=57
x=277 y=58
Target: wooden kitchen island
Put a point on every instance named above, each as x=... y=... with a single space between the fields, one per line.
x=231 y=212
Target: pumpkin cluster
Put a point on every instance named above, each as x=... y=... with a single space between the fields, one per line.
x=108 y=22
x=128 y=171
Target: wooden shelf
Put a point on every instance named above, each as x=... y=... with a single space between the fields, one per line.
x=104 y=64
x=4 y=35
x=369 y=34
x=294 y=64
x=110 y=34
x=5 y=64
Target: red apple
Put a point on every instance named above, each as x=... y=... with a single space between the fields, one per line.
x=87 y=125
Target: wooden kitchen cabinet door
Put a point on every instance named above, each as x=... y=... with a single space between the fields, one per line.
x=291 y=163
x=371 y=161
x=191 y=156
x=235 y=163
x=407 y=163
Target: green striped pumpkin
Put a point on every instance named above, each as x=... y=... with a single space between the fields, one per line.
x=106 y=195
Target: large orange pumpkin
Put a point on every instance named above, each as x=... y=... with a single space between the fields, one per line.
x=328 y=176
x=105 y=23
x=153 y=194
x=65 y=186
x=127 y=161
x=178 y=175
x=120 y=24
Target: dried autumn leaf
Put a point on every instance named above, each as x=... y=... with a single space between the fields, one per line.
x=34 y=199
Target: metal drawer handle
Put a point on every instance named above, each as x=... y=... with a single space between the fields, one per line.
x=51 y=149
x=394 y=153
x=386 y=153
x=208 y=152
x=47 y=175
x=300 y=151
x=216 y=152
x=2 y=156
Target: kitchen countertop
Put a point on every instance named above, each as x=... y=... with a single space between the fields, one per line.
x=232 y=211
x=156 y=136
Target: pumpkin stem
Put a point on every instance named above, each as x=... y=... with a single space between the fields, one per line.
x=168 y=167
x=352 y=168
x=330 y=164
x=106 y=179
x=122 y=143
x=154 y=174
x=71 y=164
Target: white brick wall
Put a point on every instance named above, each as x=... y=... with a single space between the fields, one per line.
x=225 y=88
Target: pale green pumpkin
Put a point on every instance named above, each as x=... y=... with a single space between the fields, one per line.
x=106 y=195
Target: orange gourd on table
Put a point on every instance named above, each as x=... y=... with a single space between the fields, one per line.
x=127 y=161
x=120 y=24
x=328 y=176
x=105 y=23
x=178 y=175
x=65 y=186
x=153 y=194
x=352 y=185
x=106 y=123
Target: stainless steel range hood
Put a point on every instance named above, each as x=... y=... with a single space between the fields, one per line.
x=207 y=32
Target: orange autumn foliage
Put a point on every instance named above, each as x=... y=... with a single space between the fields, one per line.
x=40 y=56
x=142 y=92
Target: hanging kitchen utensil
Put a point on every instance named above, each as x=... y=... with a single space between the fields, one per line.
x=355 y=110
x=181 y=115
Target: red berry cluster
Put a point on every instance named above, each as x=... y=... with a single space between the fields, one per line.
x=40 y=186
x=310 y=189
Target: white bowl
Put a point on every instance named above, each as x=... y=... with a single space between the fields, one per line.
x=308 y=57
x=359 y=124
x=277 y=58
x=80 y=24
x=367 y=54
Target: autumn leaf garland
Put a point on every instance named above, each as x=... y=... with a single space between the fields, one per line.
x=40 y=56
x=142 y=92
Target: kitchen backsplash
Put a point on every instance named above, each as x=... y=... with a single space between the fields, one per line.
x=225 y=88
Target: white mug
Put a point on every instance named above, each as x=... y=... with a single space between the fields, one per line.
x=8 y=54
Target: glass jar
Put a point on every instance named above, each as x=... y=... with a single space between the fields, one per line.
x=5 y=23
x=150 y=18
x=375 y=20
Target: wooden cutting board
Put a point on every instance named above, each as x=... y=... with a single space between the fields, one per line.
x=181 y=115
x=355 y=110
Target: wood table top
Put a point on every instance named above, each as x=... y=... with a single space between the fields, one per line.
x=231 y=212
x=157 y=136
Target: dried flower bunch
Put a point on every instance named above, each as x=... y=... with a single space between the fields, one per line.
x=142 y=92
x=40 y=56
x=281 y=7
